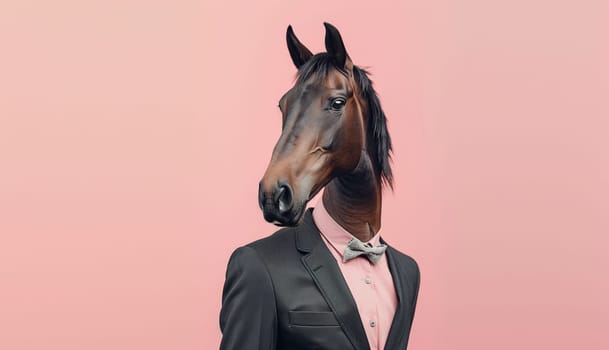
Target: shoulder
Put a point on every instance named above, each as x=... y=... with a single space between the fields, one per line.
x=409 y=269
x=262 y=249
x=281 y=240
x=246 y=263
x=407 y=263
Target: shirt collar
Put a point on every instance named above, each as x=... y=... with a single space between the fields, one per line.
x=331 y=230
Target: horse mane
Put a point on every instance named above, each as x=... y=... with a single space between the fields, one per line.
x=377 y=134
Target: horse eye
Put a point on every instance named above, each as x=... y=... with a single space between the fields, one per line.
x=337 y=103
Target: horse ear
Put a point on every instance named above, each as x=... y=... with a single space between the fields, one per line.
x=299 y=53
x=336 y=48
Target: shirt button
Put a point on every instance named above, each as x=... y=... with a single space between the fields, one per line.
x=372 y=324
x=367 y=280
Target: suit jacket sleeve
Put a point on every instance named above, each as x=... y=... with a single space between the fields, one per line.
x=248 y=318
x=417 y=283
x=416 y=289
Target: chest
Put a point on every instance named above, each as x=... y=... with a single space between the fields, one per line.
x=318 y=307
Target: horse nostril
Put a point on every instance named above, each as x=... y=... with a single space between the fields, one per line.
x=283 y=198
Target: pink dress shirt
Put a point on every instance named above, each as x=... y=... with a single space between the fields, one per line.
x=371 y=284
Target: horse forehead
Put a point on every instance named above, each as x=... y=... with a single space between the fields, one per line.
x=336 y=81
x=305 y=91
x=333 y=80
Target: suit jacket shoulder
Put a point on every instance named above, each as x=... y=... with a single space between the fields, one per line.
x=281 y=238
x=410 y=269
x=406 y=261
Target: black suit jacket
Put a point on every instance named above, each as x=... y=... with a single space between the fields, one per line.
x=286 y=291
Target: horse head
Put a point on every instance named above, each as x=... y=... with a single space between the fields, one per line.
x=332 y=125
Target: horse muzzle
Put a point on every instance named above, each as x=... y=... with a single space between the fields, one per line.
x=277 y=204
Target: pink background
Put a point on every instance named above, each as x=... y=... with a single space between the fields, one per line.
x=133 y=135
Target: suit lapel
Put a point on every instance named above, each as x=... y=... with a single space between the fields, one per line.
x=324 y=270
x=399 y=319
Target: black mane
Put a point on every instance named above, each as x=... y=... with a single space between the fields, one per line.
x=378 y=139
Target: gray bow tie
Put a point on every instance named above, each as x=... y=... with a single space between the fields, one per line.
x=356 y=248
